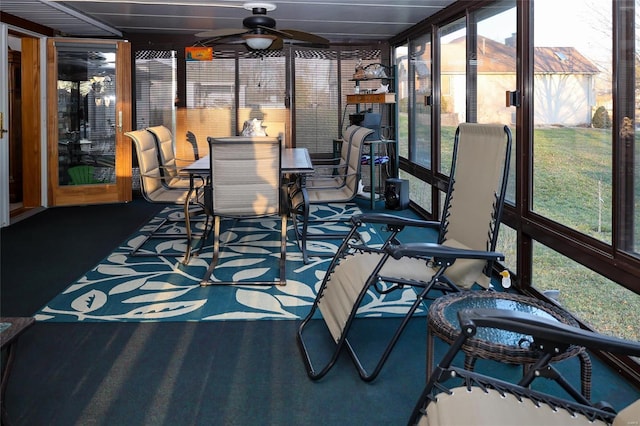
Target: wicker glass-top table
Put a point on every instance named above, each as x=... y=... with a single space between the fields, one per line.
x=499 y=345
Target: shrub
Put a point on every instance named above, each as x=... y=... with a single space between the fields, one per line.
x=601 y=119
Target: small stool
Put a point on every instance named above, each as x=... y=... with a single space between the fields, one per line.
x=10 y=329
x=500 y=345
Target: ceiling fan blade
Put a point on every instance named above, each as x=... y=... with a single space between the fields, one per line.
x=307 y=37
x=277 y=44
x=222 y=32
x=273 y=31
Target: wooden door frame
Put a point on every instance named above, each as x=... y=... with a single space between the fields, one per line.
x=32 y=142
x=120 y=191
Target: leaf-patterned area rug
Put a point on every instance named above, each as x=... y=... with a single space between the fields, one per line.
x=162 y=288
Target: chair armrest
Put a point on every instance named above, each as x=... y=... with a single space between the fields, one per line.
x=544 y=329
x=440 y=252
x=391 y=220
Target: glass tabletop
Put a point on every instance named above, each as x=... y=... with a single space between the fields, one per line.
x=502 y=337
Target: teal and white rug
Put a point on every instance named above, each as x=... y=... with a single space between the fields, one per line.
x=125 y=288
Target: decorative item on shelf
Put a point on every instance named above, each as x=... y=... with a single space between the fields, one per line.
x=375 y=71
x=254 y=127
x=360 y=73
x=384 y=88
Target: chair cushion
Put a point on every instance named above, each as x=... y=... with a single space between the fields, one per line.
x=629 y=415
x=477 y=407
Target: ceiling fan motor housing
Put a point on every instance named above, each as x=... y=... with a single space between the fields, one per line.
x=259 y=19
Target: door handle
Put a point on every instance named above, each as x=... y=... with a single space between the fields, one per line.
x=2 y=129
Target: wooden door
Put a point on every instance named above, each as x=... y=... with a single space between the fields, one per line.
x=89 y=110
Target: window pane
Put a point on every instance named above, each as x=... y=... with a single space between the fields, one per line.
x=317 y=102
x=155 y=75
x=453 y=42
x=211 y=92
x=403 y=90
x=636 y=170
x=606 y=306
x=421 y=61
x=419 y=191
x=86 y=114
x=496 y=68
x=507 y=245
x=261 y=94
x=572 y=115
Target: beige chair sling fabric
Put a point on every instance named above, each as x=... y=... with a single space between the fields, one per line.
x=341 y=184
x=170 y=165
x=478 y=407
x=151 y=179
x=245 y=174
x=245 y=183
x=478 y=171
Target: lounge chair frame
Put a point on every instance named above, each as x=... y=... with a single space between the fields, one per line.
x=340 y=295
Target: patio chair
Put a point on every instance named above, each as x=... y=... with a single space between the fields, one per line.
x=457 y=396
x=245 y=184
x=463 y=255
x=336 y=182
x=170 y=164
x=155 y=189
x=191 y=138
x=83 y=175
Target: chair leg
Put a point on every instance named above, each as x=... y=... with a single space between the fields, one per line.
x=206 y=280
x=343 y=341
x=283 y=250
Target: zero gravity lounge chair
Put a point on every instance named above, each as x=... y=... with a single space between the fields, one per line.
x=463 y=255
x=457 y=396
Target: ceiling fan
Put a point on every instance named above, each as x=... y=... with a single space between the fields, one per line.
x=260 y=31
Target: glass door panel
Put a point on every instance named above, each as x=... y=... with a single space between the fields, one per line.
x=86 y=115
x=87 y=142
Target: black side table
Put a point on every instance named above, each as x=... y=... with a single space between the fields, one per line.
x=10 y=329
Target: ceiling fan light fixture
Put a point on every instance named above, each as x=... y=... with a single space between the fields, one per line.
x=259 y=41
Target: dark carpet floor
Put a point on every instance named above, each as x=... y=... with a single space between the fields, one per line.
x=188 y=373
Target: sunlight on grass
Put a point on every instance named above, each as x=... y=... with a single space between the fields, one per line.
x=572 y=179
x=586 y=294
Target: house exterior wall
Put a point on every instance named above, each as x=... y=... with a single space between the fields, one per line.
x=563 y=99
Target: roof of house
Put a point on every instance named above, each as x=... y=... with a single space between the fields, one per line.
x=497 y=57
